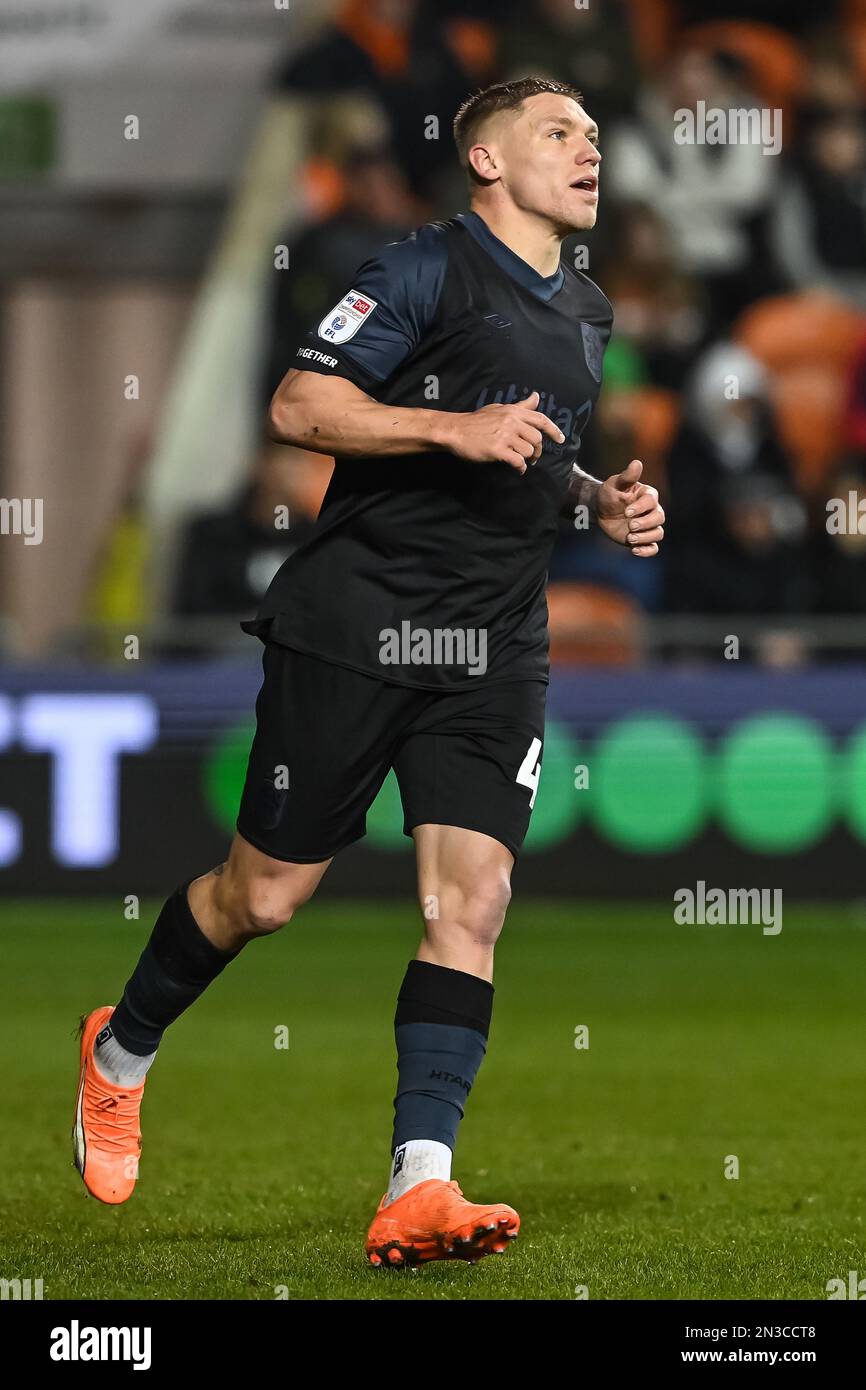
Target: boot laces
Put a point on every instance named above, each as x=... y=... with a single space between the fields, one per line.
x=120 y=1132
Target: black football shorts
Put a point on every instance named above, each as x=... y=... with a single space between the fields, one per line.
x=326 y=737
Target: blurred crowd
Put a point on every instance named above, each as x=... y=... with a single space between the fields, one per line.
x=737 y=371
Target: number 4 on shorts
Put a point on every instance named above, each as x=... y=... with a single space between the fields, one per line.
x=530 y=770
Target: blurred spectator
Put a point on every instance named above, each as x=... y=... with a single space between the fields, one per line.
x=794 y=15
x=819 y=222
x=228 y=558
x=591 y=48
x=840 y=551
x=376 y=208
x=712 y=197
x=735 y=533
x=659 y=310
x=414 y=64
x=832 y=83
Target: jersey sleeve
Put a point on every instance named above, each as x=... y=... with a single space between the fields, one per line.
x=381 y=320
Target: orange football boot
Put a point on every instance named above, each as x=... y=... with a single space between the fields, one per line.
x=434 y=1221
x=106 y=1138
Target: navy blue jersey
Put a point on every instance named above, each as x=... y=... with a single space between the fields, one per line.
x=425 y=569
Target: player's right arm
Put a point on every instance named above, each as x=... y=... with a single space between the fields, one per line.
x=331 y=415
x=327 y=402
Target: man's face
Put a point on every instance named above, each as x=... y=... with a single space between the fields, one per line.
x=546 y=157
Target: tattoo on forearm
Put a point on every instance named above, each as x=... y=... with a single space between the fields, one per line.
x=582 y=492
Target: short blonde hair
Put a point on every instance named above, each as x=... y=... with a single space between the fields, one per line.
x=501 y=96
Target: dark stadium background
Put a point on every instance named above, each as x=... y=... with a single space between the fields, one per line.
x=188 y=186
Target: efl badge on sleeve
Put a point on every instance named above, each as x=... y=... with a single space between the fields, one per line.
x=346 y=318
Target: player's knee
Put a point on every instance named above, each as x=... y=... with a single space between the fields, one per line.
x=488 y=905
x=477 y=910
x=264 y=907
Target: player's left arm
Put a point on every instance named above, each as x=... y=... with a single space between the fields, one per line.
x=626 y=509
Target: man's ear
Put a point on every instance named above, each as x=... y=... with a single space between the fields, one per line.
x=482 y=162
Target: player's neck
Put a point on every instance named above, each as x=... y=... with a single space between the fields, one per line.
x=533 y=241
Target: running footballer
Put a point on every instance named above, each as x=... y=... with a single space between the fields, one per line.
x=451 y=383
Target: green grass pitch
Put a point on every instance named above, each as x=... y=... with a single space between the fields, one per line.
x=262 y=1166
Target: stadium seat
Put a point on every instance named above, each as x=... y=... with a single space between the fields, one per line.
x=653 y=26
x=323 y=184
x=474 y=44
x=855 y=404
x=801 y=330
x=592 y=626
x=310 y=477
x=810 y=405
x=656 y=420
x=774 y=60
x=808 y=341
x=652 y=416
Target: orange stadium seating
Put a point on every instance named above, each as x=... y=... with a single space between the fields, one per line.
x=592 y=625
x=808 y=341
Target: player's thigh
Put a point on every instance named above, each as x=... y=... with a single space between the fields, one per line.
x=324 y=741
x=472 y=761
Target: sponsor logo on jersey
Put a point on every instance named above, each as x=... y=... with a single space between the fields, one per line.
x=571 y=421
x=346 y=318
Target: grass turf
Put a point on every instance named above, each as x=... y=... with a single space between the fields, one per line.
x=262 y=1167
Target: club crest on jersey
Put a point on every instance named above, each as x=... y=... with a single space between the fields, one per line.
x=346 y=318
x=593 y=349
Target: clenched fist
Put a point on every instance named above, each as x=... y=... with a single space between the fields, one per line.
x=629 y=511
x=511 y=434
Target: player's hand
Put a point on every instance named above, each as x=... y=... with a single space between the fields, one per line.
x=629 y=511
x=511 y=434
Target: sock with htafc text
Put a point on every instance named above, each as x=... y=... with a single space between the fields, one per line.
x=441 y=1029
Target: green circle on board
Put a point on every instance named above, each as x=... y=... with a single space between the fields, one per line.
x=224 y=771
x=649 y=783
x=854 y=783
x=775 y=783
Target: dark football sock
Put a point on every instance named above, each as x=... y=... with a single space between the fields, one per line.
x=441 y=1027
x=175 y=967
